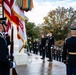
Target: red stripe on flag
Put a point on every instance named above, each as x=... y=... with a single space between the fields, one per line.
x=15 y=19
x=7 y=8
x=21 y=25
x=9 y=3
x=1 y=2
x=8 y=26
x=7 y=13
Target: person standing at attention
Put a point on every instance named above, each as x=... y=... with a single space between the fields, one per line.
x=69 y=53
x=4 y=54
x=50 y=39
x=43 y=44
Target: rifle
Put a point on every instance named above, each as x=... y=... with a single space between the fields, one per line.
x=12 y=51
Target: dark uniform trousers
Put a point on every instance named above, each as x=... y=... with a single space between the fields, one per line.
x=35 y=44
x=50 y=43
x=43 y=52
x=70 y=70
x=69 y=55
x=50 y=54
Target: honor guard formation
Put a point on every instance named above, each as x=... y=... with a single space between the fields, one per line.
x=45 y=47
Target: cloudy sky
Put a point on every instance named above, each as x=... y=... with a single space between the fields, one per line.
x=42 y=7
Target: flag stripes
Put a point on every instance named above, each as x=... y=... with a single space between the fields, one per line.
x=16 y=16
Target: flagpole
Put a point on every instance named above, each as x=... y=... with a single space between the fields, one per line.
x=2 y=8
x=14 y=72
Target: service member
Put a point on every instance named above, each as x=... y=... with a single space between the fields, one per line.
x=50 y=38
x=69 y=53
x=43 y=44
x=4 y=60
x=36 y=46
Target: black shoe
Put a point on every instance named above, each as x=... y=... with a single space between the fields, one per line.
x=42 y=58
x=43 y=61
x=49 y=60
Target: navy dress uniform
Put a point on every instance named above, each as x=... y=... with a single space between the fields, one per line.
x=40 y=51
x=36 y=46
x=69 y=53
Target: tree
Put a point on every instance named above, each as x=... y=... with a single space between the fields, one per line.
x=32 y=30
x=57 y=22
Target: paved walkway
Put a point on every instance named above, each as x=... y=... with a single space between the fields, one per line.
x=36 y=66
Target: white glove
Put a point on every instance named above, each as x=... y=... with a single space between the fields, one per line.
x=51 y=47
x=14 y=65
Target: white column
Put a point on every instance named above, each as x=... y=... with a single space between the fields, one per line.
x=20 y=58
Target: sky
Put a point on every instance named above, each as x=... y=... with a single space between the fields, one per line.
x=43 y=7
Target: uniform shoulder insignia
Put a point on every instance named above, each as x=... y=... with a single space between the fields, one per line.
x=66 y=39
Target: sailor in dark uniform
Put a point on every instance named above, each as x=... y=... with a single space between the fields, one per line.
x=69 y=53
x=4 y=60
x=36 y=45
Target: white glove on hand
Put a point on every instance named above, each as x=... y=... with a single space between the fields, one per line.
x=51 y=47
x=14 y=65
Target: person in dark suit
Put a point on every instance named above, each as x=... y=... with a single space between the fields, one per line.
x=69 y=53
x=50 y=39
x=43 y=44
x=4 y=60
